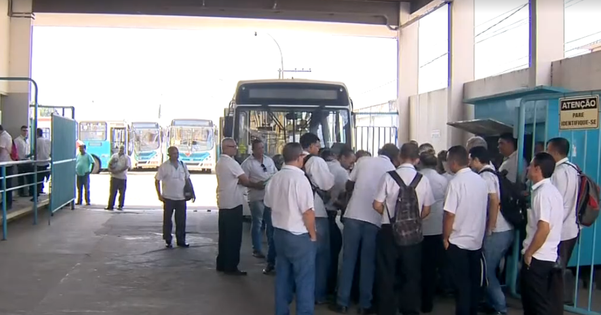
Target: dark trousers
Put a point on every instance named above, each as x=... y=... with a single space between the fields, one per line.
x=9 y=194
x=335 y=247
x=179 y=207
x=569 y=282
x=26 y=179
x=230 y=239
x=43 y=174
x=117 y=185
x=541 y=288
x=432 y=266
x=397 y=263
x=83 y=186
x=466 y=276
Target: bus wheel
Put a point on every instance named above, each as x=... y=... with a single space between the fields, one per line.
x=97 y=165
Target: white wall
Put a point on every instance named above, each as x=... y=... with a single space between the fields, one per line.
x=507 y=82
x=580 y=73
x=4 y=41
x=428 y=118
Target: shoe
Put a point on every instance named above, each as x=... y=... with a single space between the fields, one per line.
x=109 y=208
x=168 y=245
x=88 y=204
x=183 y=245
x=338 y=309
x=78 y=203
x=365 y=311
x=258 y=254
x=236 y=273
x=321 y=302
x=269 y=270
x=120 y=208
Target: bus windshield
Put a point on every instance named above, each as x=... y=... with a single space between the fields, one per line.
x=147 y=139
x=278 y=126
x=92 y=131
x=192 y=139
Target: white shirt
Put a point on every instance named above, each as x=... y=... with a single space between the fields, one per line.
x=565 y=179
x=492 y=184
x=341 y=176
x=388 y=191
x=511 y=166
x=229 y=193
x=432 y=224
x=6 y=146
x=547 y=206
x=43 y=148
x=289 y=195
x=23 y=147
x=319 y=173
x=467 y=198
x=257 y=173
x=366 y=176
x=122 y=161
x=173 y=180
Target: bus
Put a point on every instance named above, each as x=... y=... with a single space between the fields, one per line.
x=148 y=145
x=195 y=140
x=103 y=139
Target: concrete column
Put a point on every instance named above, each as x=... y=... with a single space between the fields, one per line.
x=15 y=107
x=461 y=65
x=408 y=70
x=546 y=39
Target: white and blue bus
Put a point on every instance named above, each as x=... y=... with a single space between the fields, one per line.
x=195 y=140
x=148 y=145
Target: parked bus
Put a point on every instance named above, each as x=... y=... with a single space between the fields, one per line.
x=148 y=145
x=195 y=140
x=281 y=111
x=103 y=139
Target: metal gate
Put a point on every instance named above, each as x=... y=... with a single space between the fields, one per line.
x=540 y=119
x=373 y=130
x=64 y=136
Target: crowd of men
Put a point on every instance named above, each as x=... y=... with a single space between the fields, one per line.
x=414 y=222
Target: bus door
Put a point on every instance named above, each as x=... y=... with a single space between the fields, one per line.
x=118 y=138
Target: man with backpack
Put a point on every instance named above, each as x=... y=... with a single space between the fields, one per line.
x=403 y=198
x=499 y=232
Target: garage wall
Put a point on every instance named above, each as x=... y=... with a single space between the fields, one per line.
x=581 y=73
x=507 y=82
x=4 y=41
x=428 y=118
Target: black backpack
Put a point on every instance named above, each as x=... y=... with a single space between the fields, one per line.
x=513 y=204
x=324 y=195
x=407 y=220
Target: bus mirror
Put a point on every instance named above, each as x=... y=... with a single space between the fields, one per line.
x=228 y=127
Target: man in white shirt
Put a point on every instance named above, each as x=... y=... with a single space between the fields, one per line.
x=23 y=149
x=118 y=166
x=566 y=180
x=361 y=225
x=231 y=181
x=6 y=145
x=499 y=232
x=464 y=224
x=290 y=195
x=432 y=247
x=322 y=180
x=169 y=182
x=259 y=168
x=43 y=152
x=508 y=148
x=541 y=280
x=405 y=181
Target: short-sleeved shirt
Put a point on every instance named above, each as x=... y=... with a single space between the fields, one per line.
x=229 y=194
x=288 y=193
x=6 y=145
x=547 y=206
x=341 y=177
x=467 y=199
x=565 y=179
x=493 y=186
x=432 y=224
x=511 y=166
x=366 y=176
x=121 y=162
x=83 y=164
x=388 y=191
x=173 y=180
x=319 y=174
x=258 y=171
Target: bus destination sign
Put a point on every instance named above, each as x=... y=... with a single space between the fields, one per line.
x=579 y=113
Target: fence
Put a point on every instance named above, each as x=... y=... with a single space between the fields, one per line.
x=540 y=119
x=63 y=162
x=373 y=130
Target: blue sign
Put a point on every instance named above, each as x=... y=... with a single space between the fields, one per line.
x=192 y=122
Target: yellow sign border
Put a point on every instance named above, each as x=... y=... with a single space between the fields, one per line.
x=596 y=97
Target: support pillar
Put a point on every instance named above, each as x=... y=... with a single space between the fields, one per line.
x=408 y=70
x=461 y=54
x=547 y=43
x=15 y=106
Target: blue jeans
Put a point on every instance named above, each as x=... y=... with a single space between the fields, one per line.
x=260 y=213
x=322 y=258
x=357 y=232
x=295 y=272
x=495 y=247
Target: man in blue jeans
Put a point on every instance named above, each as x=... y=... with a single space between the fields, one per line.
x=290 y=196
x=259 y=168
x=499 y=232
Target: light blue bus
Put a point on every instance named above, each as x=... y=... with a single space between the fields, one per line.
x=195 y=140
x=103 y=139
x=148 y=145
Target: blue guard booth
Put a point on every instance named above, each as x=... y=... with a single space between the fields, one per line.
x=534 y=116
